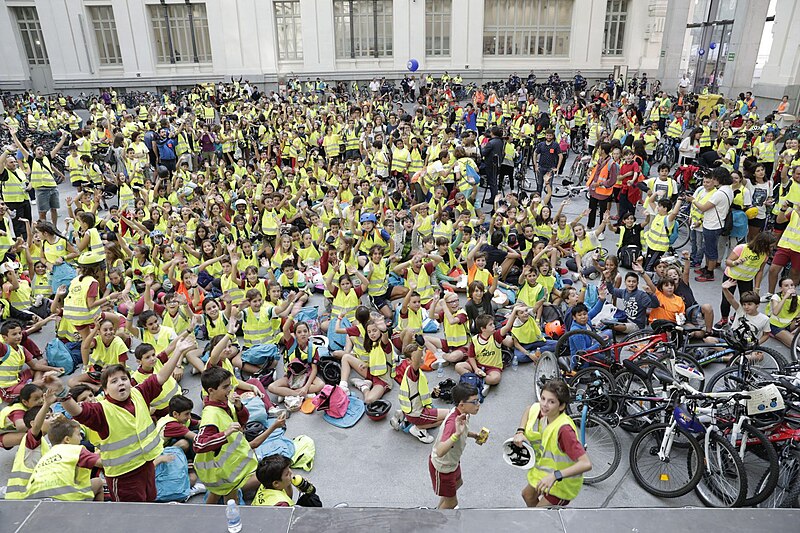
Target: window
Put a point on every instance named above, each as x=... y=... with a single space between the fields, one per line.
x=614 y=34
x=437 y=27
x=30 y=31
x=363 y=28
x=180 y=32
x=527 y=27
x=105 y=35
x=288 y=29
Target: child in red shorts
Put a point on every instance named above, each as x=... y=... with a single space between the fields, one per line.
x=416 y=413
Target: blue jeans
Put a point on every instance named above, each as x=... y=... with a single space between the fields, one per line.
x=710 y=238
x=545 y=346
x=696 y=238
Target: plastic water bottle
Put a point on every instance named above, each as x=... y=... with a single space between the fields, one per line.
x=440 y=369
x=514 y=363
x=234 y=520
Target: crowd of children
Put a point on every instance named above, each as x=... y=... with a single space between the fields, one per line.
x=231 y=231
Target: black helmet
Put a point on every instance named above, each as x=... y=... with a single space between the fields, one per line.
x=253 y=429
x=330 y=371
x=378 y=409
x=443 y=390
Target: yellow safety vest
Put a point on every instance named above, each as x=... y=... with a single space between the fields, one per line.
x=228 y=468
x=21 y=296
x=379 y=360
x=528 y=332
x=790 y=239
x=549 y=456
x=14 y=187
x=25 y=461
x=747 y=270
x=256 y=327
x=230 y=287
x=95 y=252
x=657 y=237
x=404 y=395
x=695 y=214
x=344 y=305
x=104 y=356
x=271 y=497
x=378 y=278
x=457 y=335
x=57 y=476
x=132 y=439
x=675 y=129
x=424 y=285
x=76 y=309
x=168 y=390
x=705 y=137
x=766 y=152
x=42 y=173
x=488 y=352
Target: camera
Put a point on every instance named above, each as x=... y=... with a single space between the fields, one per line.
x=179 y=239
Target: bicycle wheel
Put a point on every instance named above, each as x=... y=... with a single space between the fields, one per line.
x=560 y=187
x=585 y=337
x=760 y=462
x=658 y=153
x=671 y=156
x=546 y=369
x=643 y=335
x=593 y=384
x=730 y=379
x=787 y=488
x=684 y=231
x=601 y=444
x=763 y=358
x=629 y=409
x=794 y=352
x=576 y=144
x=724 y=480
x=666 y=477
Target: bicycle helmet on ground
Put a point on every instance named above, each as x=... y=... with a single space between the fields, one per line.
x=378 y=409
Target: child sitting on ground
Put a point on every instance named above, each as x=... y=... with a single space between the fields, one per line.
x=275 y=475
x=416 y=413
x=485 y=355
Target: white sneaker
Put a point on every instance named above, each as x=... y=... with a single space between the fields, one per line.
x=343 y=385
x=197 y=488
x=421 y=434
x=360 y=384
x=766 y=298
x=486 y=388
x=396 y=419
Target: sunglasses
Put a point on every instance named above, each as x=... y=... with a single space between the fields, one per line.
x=473 y=402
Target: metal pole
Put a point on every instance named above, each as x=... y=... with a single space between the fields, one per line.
x=375 y=27
x=191 y=28
x=169 y=32
x=352 y=31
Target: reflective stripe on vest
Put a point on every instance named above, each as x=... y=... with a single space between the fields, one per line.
x=11 y=367
x=76 y=309
x=549 y=456
x=42 y=173
x=790 y=239
x=457 y=335
x=227 y=468
x=423 y=281
x=132 y=439
x=404 y=396
x=14 y=187
x=657 y=237
x=747 y=270
x=378 y=279
x=344 y=305
x=58 y=476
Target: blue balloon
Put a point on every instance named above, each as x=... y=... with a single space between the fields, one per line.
x=712 y=45
x=412 y=65
x=701 y=52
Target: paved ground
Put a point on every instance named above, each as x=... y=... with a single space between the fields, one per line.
x=371 y=465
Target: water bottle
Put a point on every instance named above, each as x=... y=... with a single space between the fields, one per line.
x=234 y=520
x=440 y=369
x=514 y=363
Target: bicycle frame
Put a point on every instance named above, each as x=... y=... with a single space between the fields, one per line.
x=587 y=357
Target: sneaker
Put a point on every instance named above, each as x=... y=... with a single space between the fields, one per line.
x=396 y=419
x=360 y=384
x=486 y=388
x=767 y=297
x=343 y=385
x=198 y=488
x=705 y=276
x=422 y=435
x=601 y=237
x=719 y=326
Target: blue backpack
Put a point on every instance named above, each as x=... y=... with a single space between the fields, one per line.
x=673 y=232
x=471 y=378
x=59 y=356
x=172 y=479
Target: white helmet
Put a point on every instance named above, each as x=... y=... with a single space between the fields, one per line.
x=522 y=457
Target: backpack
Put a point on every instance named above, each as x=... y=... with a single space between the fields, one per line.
x=259 y=354
x=59 y=356
x=333 y=400
x=628 y=255
x=304 y=452
x=727 y=224
x=172 y=478
x=471 y=378
x=355 y=410
x=673 y=232
x=258 y=411
x=740 y=225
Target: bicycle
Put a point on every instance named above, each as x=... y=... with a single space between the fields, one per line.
x=601 y=444
x=666 y=150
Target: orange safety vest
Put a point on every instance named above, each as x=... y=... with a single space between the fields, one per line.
x=601 y=189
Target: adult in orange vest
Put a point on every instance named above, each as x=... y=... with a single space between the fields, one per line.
x=601 y=182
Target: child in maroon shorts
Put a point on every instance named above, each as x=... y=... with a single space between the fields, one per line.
x=416 y=413
x=444 y=463
x=485 y=354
